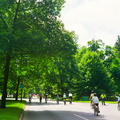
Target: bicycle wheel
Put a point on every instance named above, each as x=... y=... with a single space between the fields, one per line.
x=64 y=101
x=95 y=110
x=70 y=101
x=57 y=101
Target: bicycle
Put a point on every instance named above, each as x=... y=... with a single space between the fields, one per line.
x=95 y=108
x=70 y=100
x=64 y=100
x=45 y=100
x=57 y=101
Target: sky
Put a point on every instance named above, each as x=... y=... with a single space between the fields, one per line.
x=92 y=19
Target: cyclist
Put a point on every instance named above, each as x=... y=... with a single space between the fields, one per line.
x=70 y=97
x=118 y=98
x=64 y=98
x=57 y=98
x=95 y=101
x=91 y=96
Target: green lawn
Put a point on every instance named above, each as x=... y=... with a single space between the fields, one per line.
x=111 y=102
x=13 y=110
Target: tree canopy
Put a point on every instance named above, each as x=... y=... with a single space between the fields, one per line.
x=38 y=55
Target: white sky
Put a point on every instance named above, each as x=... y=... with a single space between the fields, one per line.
x=92 y=19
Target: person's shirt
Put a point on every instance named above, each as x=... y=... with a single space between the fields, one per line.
x=95 y=99
x=118 y=98
x=64 y=96
x=70 y=94
x=46 y=95
x=40 y=95
x=57 y=97
x=92 y=95
x=103 y=96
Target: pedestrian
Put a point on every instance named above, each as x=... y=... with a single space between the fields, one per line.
x=30 y=97
x=103 y=97
x=40 y=97
x=46 y=97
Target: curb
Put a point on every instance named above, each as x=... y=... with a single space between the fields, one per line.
x=21 y=116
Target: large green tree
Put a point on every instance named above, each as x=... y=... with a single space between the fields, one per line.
x=27 y=27
x=93 y=74
x=117 y=45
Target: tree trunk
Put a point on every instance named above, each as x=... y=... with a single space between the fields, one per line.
x=6 y=73
x=16 y=97
x=61 y=81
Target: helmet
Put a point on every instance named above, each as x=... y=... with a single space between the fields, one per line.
x=95 y=94
x=92 y=91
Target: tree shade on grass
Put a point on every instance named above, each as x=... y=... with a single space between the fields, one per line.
x=13 y=110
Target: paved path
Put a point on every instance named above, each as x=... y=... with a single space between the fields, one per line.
x=76 y=111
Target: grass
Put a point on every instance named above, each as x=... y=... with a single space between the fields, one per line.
x=110 y=102
x=13 y=110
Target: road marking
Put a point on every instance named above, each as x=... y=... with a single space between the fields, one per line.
x=81 y=117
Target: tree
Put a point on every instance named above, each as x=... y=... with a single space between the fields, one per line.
x=95 y=45
x=31 y=28
x=23 y=29
x=114 y=70
x=117 y=45
x=93 y=74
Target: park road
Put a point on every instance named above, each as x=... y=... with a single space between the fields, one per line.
x=77 y=111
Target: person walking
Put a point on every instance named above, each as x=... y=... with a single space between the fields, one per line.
x=103 y=97
x=46 y=97
x=40 y=97
x=30 y=97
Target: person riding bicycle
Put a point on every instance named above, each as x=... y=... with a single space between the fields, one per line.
x=91 y=96
x=57 y=98
x=64 y=98
x=118 y=98
x=70 y=97
x=95 y=101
